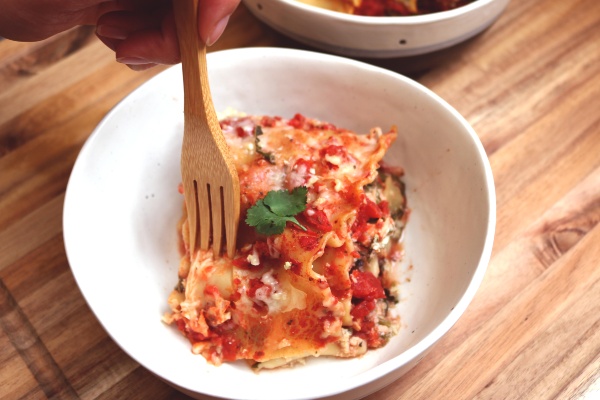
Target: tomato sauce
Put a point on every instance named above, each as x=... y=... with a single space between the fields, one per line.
x=390 y=8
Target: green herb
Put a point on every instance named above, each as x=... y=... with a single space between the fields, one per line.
x=268 y=156
x=270 y=214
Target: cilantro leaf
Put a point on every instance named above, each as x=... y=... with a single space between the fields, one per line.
x=265 y=222
x=284 y=203
x=270 y=214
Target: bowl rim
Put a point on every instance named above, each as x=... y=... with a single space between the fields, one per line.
x=408 y=20
x=418 y=349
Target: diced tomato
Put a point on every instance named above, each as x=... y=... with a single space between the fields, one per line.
x=298 y=121
x=369 y=210
x=362 y=309
x=365 y=285
x=302 y=163
x=269 y=122
x=324 y=126
x=317 y=219
x=241 y=132
x=333 y=150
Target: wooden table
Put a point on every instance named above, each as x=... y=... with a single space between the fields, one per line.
x=529 y=85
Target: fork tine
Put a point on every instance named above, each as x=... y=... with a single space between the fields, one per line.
x=216 y=205
x=204 y=206
x=232 y=218
x=191 y=203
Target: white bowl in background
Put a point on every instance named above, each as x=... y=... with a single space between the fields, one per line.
x=122 y=206
x=376 y=37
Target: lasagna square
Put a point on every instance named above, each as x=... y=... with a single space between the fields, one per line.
x=322 y=281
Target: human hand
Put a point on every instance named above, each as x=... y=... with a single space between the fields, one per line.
x=142 y=33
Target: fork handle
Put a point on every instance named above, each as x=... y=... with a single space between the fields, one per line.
x=196 y=89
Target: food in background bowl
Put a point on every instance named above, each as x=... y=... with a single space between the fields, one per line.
x=316 y=268
x=374 y=36
x=122 y=186
x=388 y=8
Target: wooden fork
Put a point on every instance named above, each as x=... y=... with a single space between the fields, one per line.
x=210 y=181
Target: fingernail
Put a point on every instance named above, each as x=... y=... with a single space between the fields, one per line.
x=132 y=60
x=141 y=67
x=111 y=32
x=217 y=31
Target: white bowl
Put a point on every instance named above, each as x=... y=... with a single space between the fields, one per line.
x=122 y=206
x=376 y=37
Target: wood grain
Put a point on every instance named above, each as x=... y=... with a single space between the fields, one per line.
x=529 y=85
